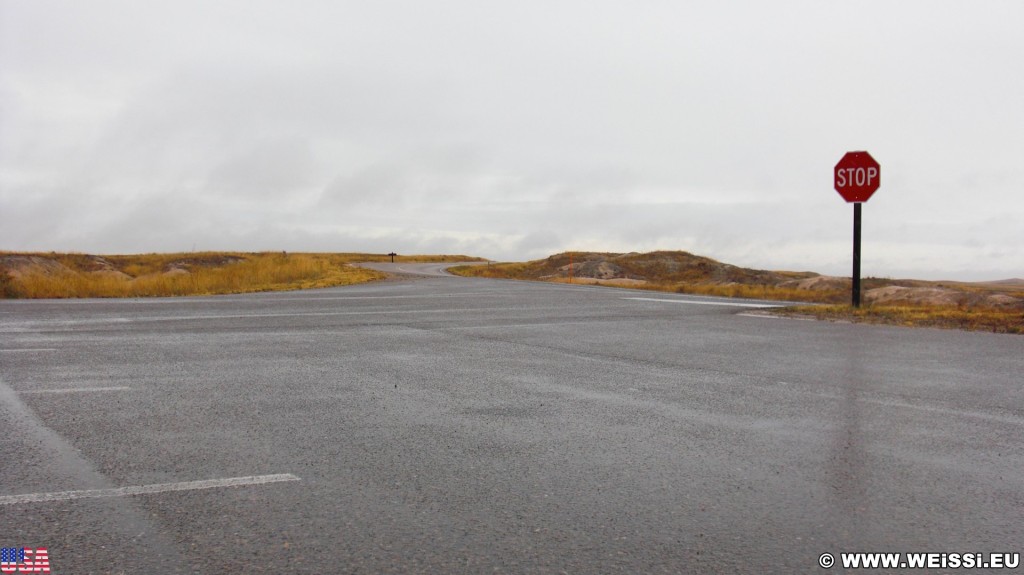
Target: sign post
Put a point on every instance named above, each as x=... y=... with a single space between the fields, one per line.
x=856 y=177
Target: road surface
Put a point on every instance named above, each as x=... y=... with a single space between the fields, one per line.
x=478 y=426
x=413 y=269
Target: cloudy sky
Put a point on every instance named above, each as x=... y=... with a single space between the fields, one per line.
x=513 y=130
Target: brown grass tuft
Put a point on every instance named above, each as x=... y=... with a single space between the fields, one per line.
x=53 y=275
x=962 y=306
x=79 y=275
x=947 y=317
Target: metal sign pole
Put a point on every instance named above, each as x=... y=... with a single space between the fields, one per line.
x=856 y=254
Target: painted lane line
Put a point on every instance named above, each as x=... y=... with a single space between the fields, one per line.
x=284 y=315
x=74 y=390
x=28 y=349
x=147 y=489
x=361 y=297
x=702 y=302
x=769 y=315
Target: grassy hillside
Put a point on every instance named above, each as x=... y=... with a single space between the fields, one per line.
x=993 y=306
x=971 y=318
x=39 y=275
x=679 y=271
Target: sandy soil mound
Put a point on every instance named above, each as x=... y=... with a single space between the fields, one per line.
x=939 y=296
x=819 y=283
x=623 y=282
x=20 y=266
x=1005 y=301
x=205 y=261
x=909 y=295
x=100 y=266
x=663 y=267
x=95 y=264
x=115 y=274
x=595 y=269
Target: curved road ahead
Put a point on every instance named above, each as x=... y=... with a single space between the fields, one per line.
x=479 y=426
x=415 y=269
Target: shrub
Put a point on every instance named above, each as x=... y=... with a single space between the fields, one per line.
x=8 y=287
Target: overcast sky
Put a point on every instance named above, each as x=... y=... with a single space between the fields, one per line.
x=514 y=130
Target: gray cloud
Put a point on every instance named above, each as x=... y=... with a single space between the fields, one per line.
x=515 y=130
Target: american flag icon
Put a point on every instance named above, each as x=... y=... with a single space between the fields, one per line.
x=24 y=560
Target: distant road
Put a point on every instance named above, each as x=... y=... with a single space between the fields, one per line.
x=464 y=425
x=433 y=270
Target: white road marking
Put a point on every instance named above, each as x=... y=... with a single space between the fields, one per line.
x=147 y=489
x=29 y=349
x=511 y=325
x=144 y=319
x=769 y=316
x=355 y=297
x=707 y=302
x=75 y=390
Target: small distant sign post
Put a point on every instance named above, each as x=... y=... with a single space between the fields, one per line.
x=392 y=254
x=857 y=176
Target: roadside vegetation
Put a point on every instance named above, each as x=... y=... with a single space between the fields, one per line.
x=52 y=275
x=677 y=272
x=994 y=307
x=947 y=317
x=747 y=291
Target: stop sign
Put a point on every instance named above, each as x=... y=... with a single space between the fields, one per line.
x=857 y=176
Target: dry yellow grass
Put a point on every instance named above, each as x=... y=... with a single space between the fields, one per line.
x=751 y=291
x=758 y=291
x=948 y=317
x=494 y=271
x=207 y=273
x=201 y=274
x=965 y=317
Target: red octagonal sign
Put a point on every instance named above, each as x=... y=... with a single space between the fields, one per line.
x=857 y=176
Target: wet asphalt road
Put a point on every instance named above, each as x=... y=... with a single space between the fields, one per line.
x=451 y=425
